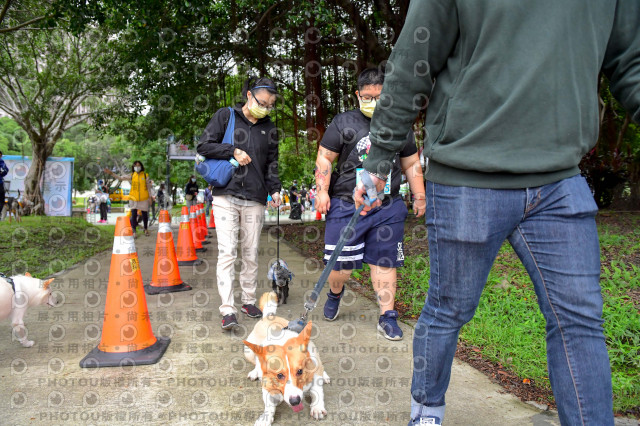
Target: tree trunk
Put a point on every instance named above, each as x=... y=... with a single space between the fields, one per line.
x=33 y=196
x=294 y=110
x=313 y=86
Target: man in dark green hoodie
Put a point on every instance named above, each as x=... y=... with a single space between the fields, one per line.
x=512 y=110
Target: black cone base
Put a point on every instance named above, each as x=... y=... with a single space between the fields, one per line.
x=150 y=289
x=189 y=262
x=150 y=355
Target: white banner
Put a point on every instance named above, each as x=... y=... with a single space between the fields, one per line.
x=56 y=183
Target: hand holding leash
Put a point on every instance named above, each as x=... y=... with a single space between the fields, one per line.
x=373 y=187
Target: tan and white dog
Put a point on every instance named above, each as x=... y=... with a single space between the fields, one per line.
x=29 y=291
x=287 y=363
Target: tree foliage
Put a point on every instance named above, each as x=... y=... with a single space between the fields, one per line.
x=612 y=168
x=181 y=61
x=46 y=76
x=175 y=63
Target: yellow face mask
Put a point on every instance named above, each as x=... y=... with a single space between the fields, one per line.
x=257 y=111
x=367 y=109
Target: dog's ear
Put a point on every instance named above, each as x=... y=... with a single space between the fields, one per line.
x=46 y=284
x=302 y=339
x=257 y=349
x=26 y=274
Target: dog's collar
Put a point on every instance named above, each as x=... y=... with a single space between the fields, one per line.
x=9 y=280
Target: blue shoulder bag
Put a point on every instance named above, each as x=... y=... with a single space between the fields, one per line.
x=217 y=172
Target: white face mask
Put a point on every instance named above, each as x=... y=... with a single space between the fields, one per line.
x=193 y=180
x=137 y=169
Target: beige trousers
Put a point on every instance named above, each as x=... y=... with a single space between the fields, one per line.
x=237 y=224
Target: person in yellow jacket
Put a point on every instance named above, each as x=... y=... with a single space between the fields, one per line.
x=140 y=195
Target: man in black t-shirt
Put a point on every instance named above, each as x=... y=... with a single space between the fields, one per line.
x=378 y=236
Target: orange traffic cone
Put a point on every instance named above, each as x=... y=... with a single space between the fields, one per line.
x=212 y=222
x=318 y=215
x=186 y=250
x=127 y=338
x=195 y=230
x=166 y=276
x=202 y=221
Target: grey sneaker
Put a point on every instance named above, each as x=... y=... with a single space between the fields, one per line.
x=229 y=321
x=252 y=311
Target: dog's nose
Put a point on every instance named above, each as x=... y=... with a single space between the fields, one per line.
x=294 y=400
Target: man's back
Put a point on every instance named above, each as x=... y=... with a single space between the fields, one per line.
x=515 y=100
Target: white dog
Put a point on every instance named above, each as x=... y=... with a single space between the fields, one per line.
x=16 y=295
x=287 y=364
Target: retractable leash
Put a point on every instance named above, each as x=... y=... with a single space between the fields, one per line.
x=372 y=195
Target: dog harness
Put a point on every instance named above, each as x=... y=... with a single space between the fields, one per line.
x=9 y=280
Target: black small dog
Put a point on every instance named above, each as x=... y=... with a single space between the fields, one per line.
x=280 y=277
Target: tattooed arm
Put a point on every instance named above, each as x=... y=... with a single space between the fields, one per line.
x=323 y=176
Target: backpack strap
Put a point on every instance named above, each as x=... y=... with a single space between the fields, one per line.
x=231 y=126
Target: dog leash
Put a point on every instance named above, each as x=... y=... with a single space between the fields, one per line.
x=346 y=233
x=337 y=251
x=9 y=280
x=278 y=240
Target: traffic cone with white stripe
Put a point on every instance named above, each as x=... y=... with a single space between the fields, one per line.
x=127 y=338
x=166 y=275
x=186 y=250
x=195 y=230
x=202 y=221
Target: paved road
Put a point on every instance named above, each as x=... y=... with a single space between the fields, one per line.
x=202 y=377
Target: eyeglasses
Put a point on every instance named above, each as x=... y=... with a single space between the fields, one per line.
x=368 y=99
x=269 y=107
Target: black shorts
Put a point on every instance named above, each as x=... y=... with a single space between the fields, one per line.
x=377 y=239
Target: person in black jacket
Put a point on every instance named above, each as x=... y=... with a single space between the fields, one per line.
x=102 y=193
x=239 y=206
x=191 y=192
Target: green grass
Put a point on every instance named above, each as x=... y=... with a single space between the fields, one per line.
x=79 y=202
x=45 y=245
x=509 y=329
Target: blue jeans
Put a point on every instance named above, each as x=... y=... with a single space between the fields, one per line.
x=552 y=229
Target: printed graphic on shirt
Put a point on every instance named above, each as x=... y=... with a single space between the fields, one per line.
x=362 y=148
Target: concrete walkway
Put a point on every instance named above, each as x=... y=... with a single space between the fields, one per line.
x=202 y=377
